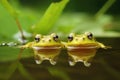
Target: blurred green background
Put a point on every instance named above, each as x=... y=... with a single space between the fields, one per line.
x=78 y=16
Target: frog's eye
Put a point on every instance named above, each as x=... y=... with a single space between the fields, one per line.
x=37 y=38
x=70 y=38
x=56 y=38
x=89 y=35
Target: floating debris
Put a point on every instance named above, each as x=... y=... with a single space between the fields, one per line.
x=9 y=44
x=18 y=37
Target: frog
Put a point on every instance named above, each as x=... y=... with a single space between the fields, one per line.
x=45 y=47
x=82 y=48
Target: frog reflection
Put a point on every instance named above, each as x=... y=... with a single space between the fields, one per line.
x=45 y=47
x=81 y=48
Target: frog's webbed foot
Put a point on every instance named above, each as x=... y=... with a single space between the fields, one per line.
x=53 y=61
x=38 y=60
x=87 y=64
x=71 y=61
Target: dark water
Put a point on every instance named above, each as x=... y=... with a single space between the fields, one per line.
x=105 y=65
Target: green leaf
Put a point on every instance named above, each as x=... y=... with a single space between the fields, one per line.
x=7 y=23
x=50 y=17
x=9 y=8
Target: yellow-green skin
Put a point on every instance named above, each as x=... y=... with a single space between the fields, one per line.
x=82 y=49
x=45 y=49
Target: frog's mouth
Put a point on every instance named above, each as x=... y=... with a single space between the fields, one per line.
x=87 y=46
x=46 y=47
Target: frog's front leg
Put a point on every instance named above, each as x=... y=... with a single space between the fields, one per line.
x=53 y=60
x=38 y=59
x=87 y=59
x=71 y=61
x=102 y=45
x=28 y=45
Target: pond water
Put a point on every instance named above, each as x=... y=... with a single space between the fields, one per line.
x=105 y=65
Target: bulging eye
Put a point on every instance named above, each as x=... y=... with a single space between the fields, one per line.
x=90 y=35
x=37 y=38
x=70 y=38
x=56 y=38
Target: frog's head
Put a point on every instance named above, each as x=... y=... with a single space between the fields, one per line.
x=85 y=38
x=47 y=40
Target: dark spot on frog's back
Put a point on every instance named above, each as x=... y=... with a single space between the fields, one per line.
x=83 y=38
x=43 y=41
x=49 y=40
x=76 y=39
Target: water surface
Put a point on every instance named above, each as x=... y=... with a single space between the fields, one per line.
x=105 y=65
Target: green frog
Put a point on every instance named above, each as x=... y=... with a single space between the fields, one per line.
x=82 y=48
x=46 y=47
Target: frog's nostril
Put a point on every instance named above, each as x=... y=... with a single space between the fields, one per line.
x=49 y=40
x=83 y=38
x=76 y=39
x=43 y=40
